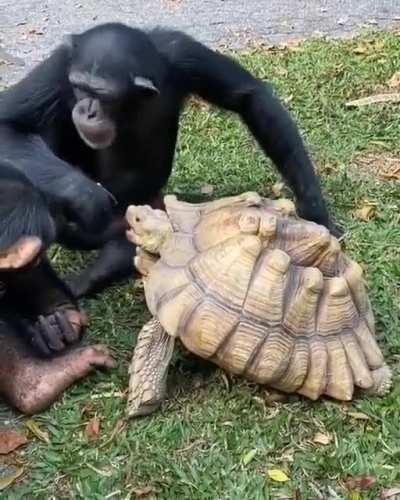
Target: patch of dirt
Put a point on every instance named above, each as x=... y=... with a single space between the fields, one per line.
x=383 y=166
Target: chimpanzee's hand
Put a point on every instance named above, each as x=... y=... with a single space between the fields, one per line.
x=53 y=333
x=85 y=202
x=311 y=209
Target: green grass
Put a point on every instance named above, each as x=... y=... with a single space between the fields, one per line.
x=196 y=447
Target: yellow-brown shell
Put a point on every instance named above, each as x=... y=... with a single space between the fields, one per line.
x=246 y=284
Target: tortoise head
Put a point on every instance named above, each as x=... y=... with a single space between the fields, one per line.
x=149 y=227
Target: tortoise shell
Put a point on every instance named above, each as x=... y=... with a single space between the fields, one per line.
x=245 y=283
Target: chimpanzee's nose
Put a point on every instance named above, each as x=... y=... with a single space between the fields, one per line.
x=89 y=109
x=93 y=109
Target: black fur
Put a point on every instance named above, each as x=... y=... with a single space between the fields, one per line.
x=36 y=289
x=39 y=137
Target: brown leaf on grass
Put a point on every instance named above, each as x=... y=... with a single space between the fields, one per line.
x=394 y=81
x=145 y=491
x=207 y=189
x=360 y=483
x=370 y=47
x=37 y=431
x=385 y=166
x=92 y=429
x=358 y=415
x=374 y=99
x=293 y=45
x=362 y=49
x=321 y=438
x=7 y=480
x=10 y=440
x=390 y=493
x=366 y=211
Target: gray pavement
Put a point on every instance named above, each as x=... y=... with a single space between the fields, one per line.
x=29 y=29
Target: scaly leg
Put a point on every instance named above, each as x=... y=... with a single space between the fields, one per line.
x=149 y=368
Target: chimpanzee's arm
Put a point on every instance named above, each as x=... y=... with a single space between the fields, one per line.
x=66 y=188
x=223 y=82
x=38 y=290
x=114 y=263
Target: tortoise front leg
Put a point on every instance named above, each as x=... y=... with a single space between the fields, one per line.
x=148 y=369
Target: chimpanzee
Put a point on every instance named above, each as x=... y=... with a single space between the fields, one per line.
x=97 y=122
x=38 y=314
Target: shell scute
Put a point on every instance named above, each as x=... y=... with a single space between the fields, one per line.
x=247 y=284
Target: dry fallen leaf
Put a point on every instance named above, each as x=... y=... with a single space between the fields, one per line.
x=144 y=491
x=7 y=479
x=385 y=166
x=10 y=440
x=360 y=483
x=361 y=49
x=394 y=81
x=277 y=475
x=358 y=415
x=374 y=99
x=37 y=431
x=366 y=211
x=321 y=438
x=207 y=189
x=277 y=189
x=390 y=493
x=92 y=430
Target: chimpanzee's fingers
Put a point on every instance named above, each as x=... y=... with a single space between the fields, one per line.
x=68 y=331
x=51 y=334
x=37 y=341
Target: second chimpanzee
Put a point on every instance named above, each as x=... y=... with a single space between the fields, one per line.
x=103 y=110
x=38 y=315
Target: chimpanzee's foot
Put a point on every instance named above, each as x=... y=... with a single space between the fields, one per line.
x=37 y=383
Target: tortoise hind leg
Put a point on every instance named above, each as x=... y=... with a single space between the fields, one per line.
x=148 y=369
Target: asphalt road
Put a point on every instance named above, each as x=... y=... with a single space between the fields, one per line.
x=29 y=29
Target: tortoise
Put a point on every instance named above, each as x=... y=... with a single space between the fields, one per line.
x=245 y=283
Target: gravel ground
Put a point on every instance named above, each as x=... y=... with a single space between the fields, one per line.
x=30 y=29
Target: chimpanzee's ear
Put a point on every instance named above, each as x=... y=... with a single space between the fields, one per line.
x=22 y=253
x=145 y=84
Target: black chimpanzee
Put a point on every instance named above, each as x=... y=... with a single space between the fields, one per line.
x=108 y=103
x=35 y=306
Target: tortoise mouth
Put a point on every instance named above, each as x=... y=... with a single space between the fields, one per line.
x=132 y=236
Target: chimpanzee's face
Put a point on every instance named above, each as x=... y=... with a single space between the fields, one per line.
x=108 y=77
